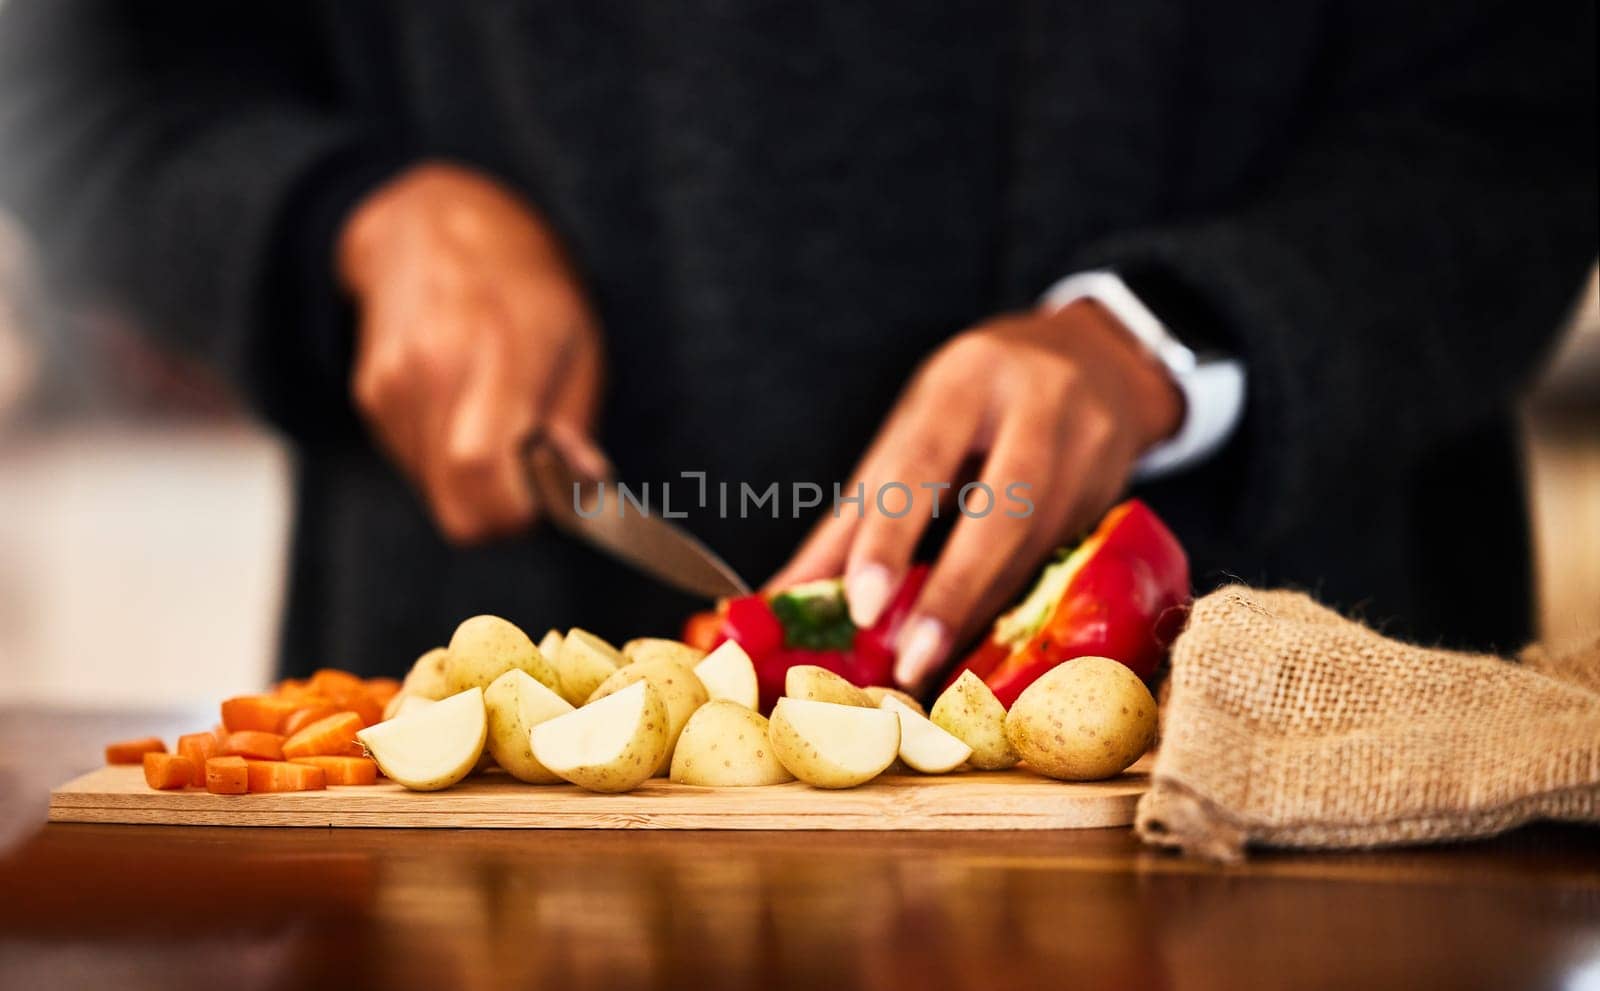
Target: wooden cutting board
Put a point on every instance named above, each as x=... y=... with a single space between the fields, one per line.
x=1014 y=799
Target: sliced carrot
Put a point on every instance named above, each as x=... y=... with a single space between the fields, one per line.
x=227 y=776
x=199 y=747
x=290 y=688
x=166 y=771
x=263 y=713
x=362 y=704
x=299 y=719
x=331 y=681
x=381 y=690
x=277 y=775
x=133 y=751
x=329 y=736
x=343 y=770
x=255 y=745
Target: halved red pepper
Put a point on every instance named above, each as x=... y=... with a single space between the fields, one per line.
x=808 y=624
x=1121 y=594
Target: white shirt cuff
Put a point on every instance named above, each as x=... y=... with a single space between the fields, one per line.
x=1213 y=388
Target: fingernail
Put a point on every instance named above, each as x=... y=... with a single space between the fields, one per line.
x=867 y=590
x=922 y=646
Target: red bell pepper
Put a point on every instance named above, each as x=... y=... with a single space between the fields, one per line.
x=1121 y=594
x=808 y=624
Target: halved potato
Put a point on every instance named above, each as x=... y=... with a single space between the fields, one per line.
x=681 y=692
x=486 y=647
x=1083 y=720
x=877 y=693
x=728 y=673
x=969 y=711
x=652 y=648
x=433 y=747
x=814 y=684
x=725 y=745
x=426 y=677
x=584 y=662
x=516 y=703
x=923 y=746
x=610 y=745
x=829 y=745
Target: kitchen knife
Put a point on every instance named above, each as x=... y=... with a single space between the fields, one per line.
x=646 y=541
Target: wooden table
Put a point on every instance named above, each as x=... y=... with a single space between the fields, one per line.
x=176 y=907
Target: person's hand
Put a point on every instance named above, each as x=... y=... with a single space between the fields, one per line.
x=474 y=334
x=1063 y=402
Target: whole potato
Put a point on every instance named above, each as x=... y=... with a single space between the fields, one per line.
x=680 y=691
x=1086 y=719
x=426 y=679
x=485 y=647
x=725 y=745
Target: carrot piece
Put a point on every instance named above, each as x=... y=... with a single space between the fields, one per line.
x=227 y=776
x=199 y=747
x=277 y=775
x=290 y=688
x=332 y=735
x=264 y=713
x=360 y=703
x=343 y=770
x=331 y=681
x=133 y=751
x=381 y=690
x=299 y=719
x=255 y=745
x=165 y=771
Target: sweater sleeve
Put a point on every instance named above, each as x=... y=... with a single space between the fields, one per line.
x=190 y=168
x=1404 y=269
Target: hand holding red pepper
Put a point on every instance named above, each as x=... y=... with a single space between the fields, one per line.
x=1064 y=402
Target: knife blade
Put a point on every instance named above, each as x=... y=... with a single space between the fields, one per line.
x=643 y=540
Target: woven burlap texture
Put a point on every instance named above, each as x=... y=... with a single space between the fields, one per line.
x=1288 y=725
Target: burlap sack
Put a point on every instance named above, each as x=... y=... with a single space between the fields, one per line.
x=1288 y=725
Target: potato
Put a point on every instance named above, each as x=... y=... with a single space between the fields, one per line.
x=923 y=746
x=969 y=711
x=516 y=703
x=550 y=645
x=611 y=745
x=877 y=693
x=725 y=745
x=403 y=703
x=828 y=745
x=1084 y=720
x=649 y=648
x=728 y=673
x=426 y=678
x=584 y=662
x=486 y=647
x=814 y=684
x=434 y=747
x=681 y=692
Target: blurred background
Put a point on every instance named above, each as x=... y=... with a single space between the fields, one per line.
x=144 y=517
